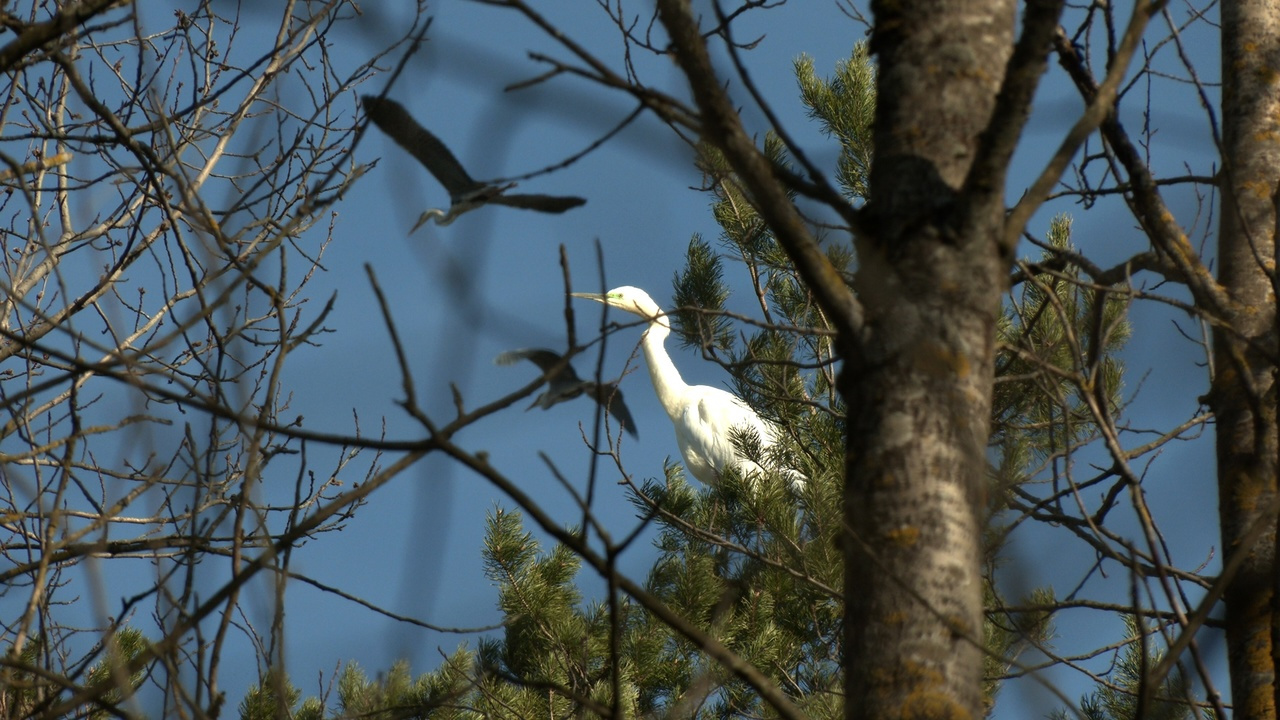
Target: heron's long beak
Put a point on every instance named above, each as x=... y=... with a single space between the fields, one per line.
x=598 y=297
x=423 y=219
x=441 y=217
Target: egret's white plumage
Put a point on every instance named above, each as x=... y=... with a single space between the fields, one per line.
x=703 y=416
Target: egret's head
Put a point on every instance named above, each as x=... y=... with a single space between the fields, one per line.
x=630 y=299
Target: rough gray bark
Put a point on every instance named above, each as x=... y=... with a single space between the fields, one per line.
x=934 y=251
x=931 y=272
x=1243 y=393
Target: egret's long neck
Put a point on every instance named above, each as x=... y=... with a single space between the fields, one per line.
x=667 y=382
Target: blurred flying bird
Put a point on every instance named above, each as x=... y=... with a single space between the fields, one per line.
x=564 y=384
x=705 y=417
x=465 y=193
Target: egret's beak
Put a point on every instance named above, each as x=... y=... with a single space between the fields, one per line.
x=598 y=297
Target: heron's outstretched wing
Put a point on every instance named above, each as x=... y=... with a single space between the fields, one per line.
x=566 y=385
x=541 y=203
x=610 y=397
x=392 y=119
x=563 y=384
x=546 y=360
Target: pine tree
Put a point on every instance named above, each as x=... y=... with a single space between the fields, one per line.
x=753 y=565
x=1118 y=694
x=959 y=416
x=27 y=691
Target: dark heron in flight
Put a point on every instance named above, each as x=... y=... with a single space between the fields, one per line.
x=465 y=193
x=565 y=384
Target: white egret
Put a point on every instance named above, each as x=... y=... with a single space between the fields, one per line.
x=465 y=194
x=703 y=416
x=564 y=384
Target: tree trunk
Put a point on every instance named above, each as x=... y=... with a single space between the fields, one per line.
x=930 y=279
x=1243 y=392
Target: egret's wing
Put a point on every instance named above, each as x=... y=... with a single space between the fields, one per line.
x=392 y=119
x=713 y=421
x=541 y=203
x=705 y=426
x=608 y=395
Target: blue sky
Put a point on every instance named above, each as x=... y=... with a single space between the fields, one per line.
x=416 y=548
x=492 y=281
x=641 y=212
